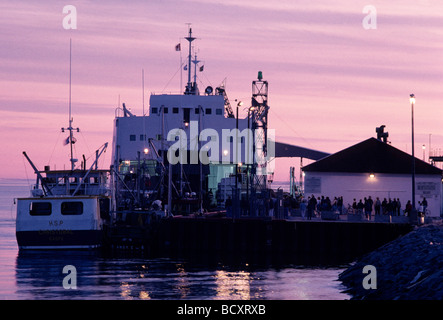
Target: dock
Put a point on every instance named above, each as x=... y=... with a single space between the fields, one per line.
x=286 y=240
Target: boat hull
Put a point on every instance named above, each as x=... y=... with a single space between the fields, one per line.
x=61 y=222
x=59 y=239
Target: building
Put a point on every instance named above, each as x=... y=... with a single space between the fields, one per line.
x=377 y=169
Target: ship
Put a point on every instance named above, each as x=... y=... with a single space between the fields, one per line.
x=190 y=152
x=66 y=209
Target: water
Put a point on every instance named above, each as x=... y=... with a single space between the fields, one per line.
x=39 y=274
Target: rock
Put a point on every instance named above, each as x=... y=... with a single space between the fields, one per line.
x=410 y=267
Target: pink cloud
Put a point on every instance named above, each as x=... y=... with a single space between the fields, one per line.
x=331 y=81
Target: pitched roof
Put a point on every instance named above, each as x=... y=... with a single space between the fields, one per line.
x=286 y=150
x=371 y=155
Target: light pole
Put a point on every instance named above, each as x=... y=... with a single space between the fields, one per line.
x=237 y=192
x=413 y=211
x=250 y=109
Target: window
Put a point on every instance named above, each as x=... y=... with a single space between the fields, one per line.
x=186 y=115
x=154 y=110
x=40 y=208
x=175 y=110
x=219 y=111
x=142 y=137
x=72 y=208
x=208 y=111
x=165 y=110
x=132 y=137
x=105 y=206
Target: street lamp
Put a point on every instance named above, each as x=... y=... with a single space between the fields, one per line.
x=414 y=211
x=237 y=193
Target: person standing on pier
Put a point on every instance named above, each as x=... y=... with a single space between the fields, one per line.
x=377 y=206
x=303 y=207
x=408 y=208
x=228 y=206
x=312 y=203
x=398 y=207
x=368 y=208
x=425 y=205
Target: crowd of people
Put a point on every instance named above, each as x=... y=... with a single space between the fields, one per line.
x=393 y=207
x=313 y=206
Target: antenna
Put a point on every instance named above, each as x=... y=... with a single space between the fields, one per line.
x=71 y=140
x=190 y=38
x=70 y=77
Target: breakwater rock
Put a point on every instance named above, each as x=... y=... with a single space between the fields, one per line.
x=408 y=268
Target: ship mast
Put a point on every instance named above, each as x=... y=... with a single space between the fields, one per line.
x=71 y=139
x=190 y=87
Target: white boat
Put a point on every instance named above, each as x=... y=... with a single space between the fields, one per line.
x=67 y=209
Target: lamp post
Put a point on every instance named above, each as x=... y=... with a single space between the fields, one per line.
x=413 y=216
x=248 y=160
x=237 y=192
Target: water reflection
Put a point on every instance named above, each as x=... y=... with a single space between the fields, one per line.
x=233 y=285
x=39 y=276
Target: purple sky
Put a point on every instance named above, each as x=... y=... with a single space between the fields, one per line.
x=331 y=82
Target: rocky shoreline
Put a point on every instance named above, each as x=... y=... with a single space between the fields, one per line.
x=408 y=268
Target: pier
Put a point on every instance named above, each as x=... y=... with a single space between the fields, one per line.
x=286 y=240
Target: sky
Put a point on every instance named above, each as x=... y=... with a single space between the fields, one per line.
x=332 y=79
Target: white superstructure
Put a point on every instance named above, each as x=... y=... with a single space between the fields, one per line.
x=198 y=132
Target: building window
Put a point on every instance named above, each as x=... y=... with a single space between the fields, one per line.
x=154 y=110
x=186 y=115
x=175 y=110
x=40 y=208
x=132 y=137
x=142 y=137
x=208 y=111
x=219 y=111
x=165 y=110
x=72 y=208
